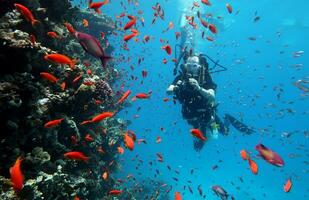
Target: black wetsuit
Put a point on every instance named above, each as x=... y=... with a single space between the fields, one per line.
x=194 y=105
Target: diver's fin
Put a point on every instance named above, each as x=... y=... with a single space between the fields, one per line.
x=239 y=125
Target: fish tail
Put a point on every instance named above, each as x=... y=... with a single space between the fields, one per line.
x=104 y=60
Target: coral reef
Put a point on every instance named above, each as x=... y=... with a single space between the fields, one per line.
x=28 y=101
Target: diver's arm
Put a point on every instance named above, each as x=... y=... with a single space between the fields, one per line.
x=172 y=88
x=208 y=94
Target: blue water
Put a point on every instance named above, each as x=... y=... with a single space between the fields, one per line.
x=247 y=90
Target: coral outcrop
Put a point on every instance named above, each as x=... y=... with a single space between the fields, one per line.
x=28 y=101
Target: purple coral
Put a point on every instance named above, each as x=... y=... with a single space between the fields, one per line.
x=103 y=90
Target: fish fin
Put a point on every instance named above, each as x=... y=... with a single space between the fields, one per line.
x=104 y=60
x=35 y=22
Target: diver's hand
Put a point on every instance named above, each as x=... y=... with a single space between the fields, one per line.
x=193 y=82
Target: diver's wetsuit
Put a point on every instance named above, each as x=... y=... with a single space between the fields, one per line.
x=195 y=108
x=193 y=103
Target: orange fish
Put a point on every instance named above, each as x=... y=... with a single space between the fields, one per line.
x=76 y=197
x=88 y=138
x=129 y=37
x=97 y=5
x=253 y=166
x=206 y=2
x=243 y=154
x=53 y=34
x=53 y=123
x=70 y=28
x=287 y=186
x=124 y=97
x=17 y=178
x=197 y=133
x=120 y=150
x=211 y=39
x=63 y=85
x=177 y=196
x=105 y=175
x=142 y=96
x=76 y=79
x=76 y=155
x=131 y=23
x=128 y=141
x=102 y=116
x=229 y=8
x=85 y=23
x=49 y=77
x=26 y=13
x=168 y=49
x=115 y=192
x=212 y=28
x=60 y=59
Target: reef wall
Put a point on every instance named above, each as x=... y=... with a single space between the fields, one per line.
x=28 y=101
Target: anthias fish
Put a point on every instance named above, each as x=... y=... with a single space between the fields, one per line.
x=269 y=155
x=17 y=177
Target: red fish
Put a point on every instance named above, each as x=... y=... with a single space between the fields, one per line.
x=287 y=186
x=197 y=133
x=17 y=177
x=168 y=49
x=77 y=78
x=88 y=138
x=131 y=23
x=128 y=141
x=102 y=116
x=97 y=5
x=177 y=196
x=53 y=123
x=49 y=77
x=212 y=28
x=142 y=96
x=253 y=166
x=229 y=8
x=243 y=154
x=269 y=155
x=115 y=192
x=53 y=34
x=76 y=155
x=60 y=59
x=124 y=97
x=26 y=13
x=120 y=150
x=206 y=2
x=70 y=28
x=32 y=39
x=129 y=37
x=62 y=86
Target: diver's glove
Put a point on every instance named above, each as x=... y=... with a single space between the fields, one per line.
x=193 y=82
x=173 y=88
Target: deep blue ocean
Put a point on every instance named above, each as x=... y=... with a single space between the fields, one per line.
x=257 y=88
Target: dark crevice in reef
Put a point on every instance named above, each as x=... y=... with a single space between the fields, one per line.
x=27 y=102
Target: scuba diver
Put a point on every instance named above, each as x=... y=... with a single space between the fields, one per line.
x=194 y=88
